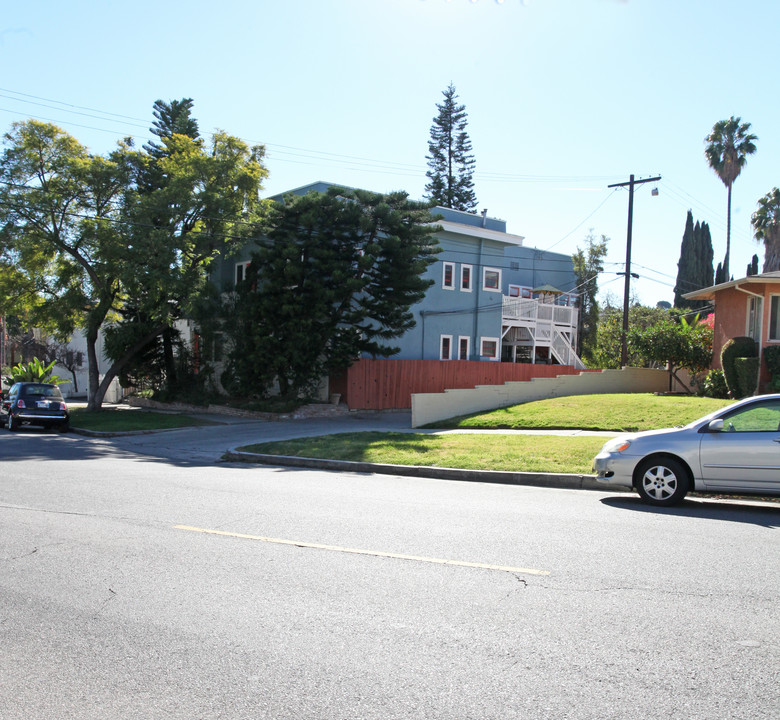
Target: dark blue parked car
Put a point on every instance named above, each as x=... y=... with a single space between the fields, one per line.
x=35 y=403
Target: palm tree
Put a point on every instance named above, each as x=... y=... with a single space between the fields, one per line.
x=766 y=226
x=728 y=146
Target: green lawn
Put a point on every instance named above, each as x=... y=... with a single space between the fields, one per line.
x=123 y=420
x=618 y=413
x=502 y=451
x=517 y=453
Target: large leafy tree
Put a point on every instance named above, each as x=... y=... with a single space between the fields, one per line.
x=96 y=241
x=674 y=343
x=766 y=227
x=694 y=268
x=59 y=226
x=610 y=331
x=450 y=159
x=171 y=118
x=207 y=206
x=727 y=150
x=334 y=277
x=588 y=263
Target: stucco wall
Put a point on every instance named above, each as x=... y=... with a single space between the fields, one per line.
x=431 y=407
x=730 y=320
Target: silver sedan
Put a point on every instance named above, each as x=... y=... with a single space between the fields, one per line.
x=735 y=450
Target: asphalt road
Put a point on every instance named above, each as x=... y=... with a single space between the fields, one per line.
x=142 y=578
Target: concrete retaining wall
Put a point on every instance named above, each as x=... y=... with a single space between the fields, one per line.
x=432 y=407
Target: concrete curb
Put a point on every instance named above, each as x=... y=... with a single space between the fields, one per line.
x=546 y=480
x=121 y=433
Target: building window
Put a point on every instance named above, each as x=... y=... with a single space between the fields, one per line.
x=446 y=347
x=519 y=291
x=488 y=348
x=465 y=278
x=774 y=318
x=754 y=319
x=241 y=271
x=491 y=279
x=448 y=276
x=464 y=347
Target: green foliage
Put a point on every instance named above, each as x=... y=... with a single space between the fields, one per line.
x=737 y=347
x=747 y=374
x=674 y=342
x=728 y=146
x=714 y=385
x=766 y=227
x=450 y=162
x=335 y=278
x=695 y=264
x=609 y=334
x=772 y=359
x=33 y=371
x=752 y=268
x=588 y=263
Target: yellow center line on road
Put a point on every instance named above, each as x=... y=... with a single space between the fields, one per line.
x=356 y=551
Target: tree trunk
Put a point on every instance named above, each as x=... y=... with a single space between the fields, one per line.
x=96 y=398
x=93 y=372
x=726 y=273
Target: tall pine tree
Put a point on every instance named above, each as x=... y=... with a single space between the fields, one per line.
x=450 y=160
x=694 y=269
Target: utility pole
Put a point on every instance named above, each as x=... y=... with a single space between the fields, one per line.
x=627 y=286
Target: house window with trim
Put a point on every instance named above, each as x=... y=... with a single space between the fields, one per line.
x=241 y=271
x=519 y=291
x=464 y=347
x=491 y=279
x=465 y=277
x=774 y=318
x=448 y=276
x=755 y=305
x=446 y=348
x=488 y=348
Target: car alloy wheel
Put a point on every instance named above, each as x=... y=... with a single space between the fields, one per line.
x=662 y=481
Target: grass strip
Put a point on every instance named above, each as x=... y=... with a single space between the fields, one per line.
x=613 y=413
x=514 y=453
x=124 y=420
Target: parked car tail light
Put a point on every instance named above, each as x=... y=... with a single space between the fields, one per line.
x=20 y=404
x=63 y=407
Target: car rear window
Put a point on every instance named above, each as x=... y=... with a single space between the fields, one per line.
x=47 y=391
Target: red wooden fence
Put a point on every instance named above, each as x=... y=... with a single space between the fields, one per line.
x=389 y=384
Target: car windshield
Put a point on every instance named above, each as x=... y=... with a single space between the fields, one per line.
x=43 y=391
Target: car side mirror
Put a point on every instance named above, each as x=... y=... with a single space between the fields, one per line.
x=715 y=425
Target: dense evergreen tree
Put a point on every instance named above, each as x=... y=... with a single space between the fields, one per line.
x=171 y=118
x=752 y=268
x=694 y=269
x=450 y=160
x=336 y=278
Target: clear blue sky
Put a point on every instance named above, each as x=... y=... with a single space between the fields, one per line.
x=564 y=97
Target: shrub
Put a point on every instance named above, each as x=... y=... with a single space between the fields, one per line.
x=714 y=385
x=747 y=374
x=772 y=360
x=738 y=347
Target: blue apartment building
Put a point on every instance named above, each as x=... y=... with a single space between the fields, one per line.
x=492 y=299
